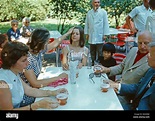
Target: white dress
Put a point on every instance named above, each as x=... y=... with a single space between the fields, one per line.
x=15 y=85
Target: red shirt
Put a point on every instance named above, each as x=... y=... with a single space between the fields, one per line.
x=139 y=56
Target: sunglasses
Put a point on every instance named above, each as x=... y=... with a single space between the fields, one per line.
x=27 y=22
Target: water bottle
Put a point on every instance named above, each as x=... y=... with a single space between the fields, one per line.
x=89 y=61
x=72 y=67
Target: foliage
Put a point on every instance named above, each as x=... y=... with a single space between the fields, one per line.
x=65 y=11
x=17 y=9
x=118 y=9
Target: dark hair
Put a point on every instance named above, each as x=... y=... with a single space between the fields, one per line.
x=152 y=4
x=38 y=39
x=82 y=40
x=3 y=38
x=109 y=47
x=12 y=52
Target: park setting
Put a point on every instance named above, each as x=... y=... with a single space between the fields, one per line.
x=77 y=55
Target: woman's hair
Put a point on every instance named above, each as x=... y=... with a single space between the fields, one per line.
x=38 y=39
x=12 y=52
x=82 y=40
x=3 y=38
x=109 y=47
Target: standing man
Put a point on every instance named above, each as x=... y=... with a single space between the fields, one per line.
x=138 y=15
x=96 y=27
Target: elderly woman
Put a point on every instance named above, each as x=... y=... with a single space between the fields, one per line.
x=15 y=59
x=26 y=29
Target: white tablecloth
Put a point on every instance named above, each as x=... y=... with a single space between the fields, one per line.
x=84 y=95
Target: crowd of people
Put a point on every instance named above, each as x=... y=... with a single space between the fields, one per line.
x=21 y=63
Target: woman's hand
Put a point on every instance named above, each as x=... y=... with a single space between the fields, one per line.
x=80 y=65
x=61 y=90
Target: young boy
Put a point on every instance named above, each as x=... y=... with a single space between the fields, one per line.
x=107 y=59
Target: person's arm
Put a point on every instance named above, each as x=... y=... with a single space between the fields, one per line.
x=34 y=92
x=84 y=59
x=56 y=42
x=64 y=62
x=128 y=22
x=31 y=77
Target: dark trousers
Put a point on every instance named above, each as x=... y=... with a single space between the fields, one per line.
x=95 y=51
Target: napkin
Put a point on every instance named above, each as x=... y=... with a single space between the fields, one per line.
x=59 y=82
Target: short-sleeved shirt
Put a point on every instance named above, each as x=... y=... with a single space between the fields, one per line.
x=150 y=23
x=15 y=85
x=139 y=15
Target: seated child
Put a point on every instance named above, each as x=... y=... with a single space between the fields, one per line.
x=107 y=59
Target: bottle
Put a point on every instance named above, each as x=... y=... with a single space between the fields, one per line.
x=72 y=67
x=89 y=61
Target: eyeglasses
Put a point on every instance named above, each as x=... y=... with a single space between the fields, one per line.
x=27 y=22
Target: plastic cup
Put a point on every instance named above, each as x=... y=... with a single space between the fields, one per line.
x=62 y=98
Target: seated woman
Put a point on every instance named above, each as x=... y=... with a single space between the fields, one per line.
x=14 y=33
x=107 y=59
x=77 y=45
x=26 y=29
x=38 y=45
x=15 y=60
x=3 y=41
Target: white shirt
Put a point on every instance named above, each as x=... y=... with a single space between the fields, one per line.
x=15 y=85
x=96 y=25
x=150 y=22
x=139 y=15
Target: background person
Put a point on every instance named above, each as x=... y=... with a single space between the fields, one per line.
x=138 y=15
x=26 y=29
x=150 y=22
x=13 y=88
x=96 y=28
x=77 y=45
x=14 y=33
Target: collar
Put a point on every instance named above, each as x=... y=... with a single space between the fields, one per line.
x=142 y=54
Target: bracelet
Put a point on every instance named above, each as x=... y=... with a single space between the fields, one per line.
x=30 y=107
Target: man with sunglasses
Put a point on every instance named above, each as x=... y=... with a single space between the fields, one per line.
x=14 y=33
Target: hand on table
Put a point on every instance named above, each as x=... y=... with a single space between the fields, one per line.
x=47 y=103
